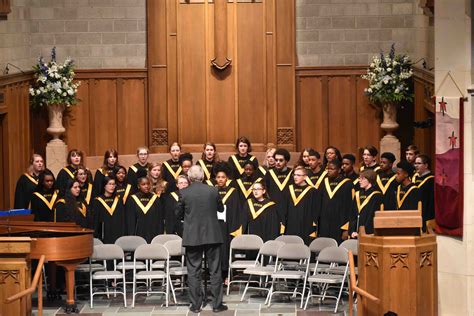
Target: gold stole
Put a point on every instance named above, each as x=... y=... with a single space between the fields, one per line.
x=255 y=214
x=35 y=182
x=385 y=187
x=50 y=203
x=367 y=199
x=175 y=196
x=101 y=171
x=295 y=199
x=424 y=181
x=237 y=164
x=280 y=185
x=69 y=172
x=135 y=169
x=110 y=209
x=227 y=195
x=126 y=193
x=244 y=190
x=209 y=183
x=262 y=170
x=318 y=183
x=89 y=193
x=82 y=209
x=146 y=208
x=59 y=201
x=176 y=173
x=204 y=168
x=331 y=193
x=400 y=201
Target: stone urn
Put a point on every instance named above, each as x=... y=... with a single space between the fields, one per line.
x=389 y=124
x=56 y=128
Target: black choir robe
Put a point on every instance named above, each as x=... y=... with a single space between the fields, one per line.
x=234 y=213
x=79 y=214
x=170 y=171
x=237 y=163
x=87 y=193
x=334 y=207
x=277 y=182
x=301 y=212
x=262 y=171
x=262 y=219
x=124 y=191
x=408 y=197
x=68 y=173
x=98 y=178
x=425 y=186
x=132 y=177
x=315 y=179
x=364 y=206
x=173 y=225
x=207 y=166
x=244 y=187
x=109 y=218
x=145 y=215
x=387 y=185
x=25 y=186
x=42 y=205
x=354 y=177
x=375 y=167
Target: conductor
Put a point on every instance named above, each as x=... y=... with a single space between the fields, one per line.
x=199 y=204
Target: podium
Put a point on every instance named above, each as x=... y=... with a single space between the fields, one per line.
x=398 y=265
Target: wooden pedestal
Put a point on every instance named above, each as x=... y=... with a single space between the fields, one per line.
x=401 y=271
x=15 y=274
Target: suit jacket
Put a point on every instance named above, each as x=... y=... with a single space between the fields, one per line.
x=199 y=204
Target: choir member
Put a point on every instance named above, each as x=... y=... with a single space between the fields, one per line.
x=108 y=213
x=172 y=224
x=268 y=163
x=123 y=188
x=424 y=180
x=386 y=181
x=71 y=208
x=278 y=179
x=26 y=184
x=411 y=153
x=261 y=214
x=303 y=160
x=186 y=162
x=109 y=165
x=208 y=160
x=144 y=212
x=302 y=207
x=244 y=184
x=140 y=167
x=369 y=159
x=237 y=161
x=172 y=167
x=366 y=202
x=75 y=158
x=155 y=175
x=44 y=197
x=87 y=193
x=331 y=153
x=316 y=173
x=348 y=162
x=335 y=202
x=407 y=195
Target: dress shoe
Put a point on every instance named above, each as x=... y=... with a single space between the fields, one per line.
x=220 y=308
x=195 y=310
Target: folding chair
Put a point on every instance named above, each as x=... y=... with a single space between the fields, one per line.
x=350 y=244
x=84 y=269
x=147 y=253
x=290 y=239
x=263 y=266
x=176 y=249
x=162 y=240
x=330 y=255
x=129 y=244
x=316 y=246
x=242 y=242
x=103 y=253
x=291 y=252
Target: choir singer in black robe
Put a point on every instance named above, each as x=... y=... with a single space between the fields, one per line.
x=27 y=182
x=407 y=195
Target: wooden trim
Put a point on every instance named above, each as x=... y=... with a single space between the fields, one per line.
x=111 y=73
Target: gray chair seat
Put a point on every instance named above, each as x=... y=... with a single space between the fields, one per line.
x=288 y=274
x=260 y=271
x=102 y=275
x=340 y=270
x=178 y=271
x=160 y=264
x=326 y=278
x=242 y=264
x=155 y=274
x=321 y=266
x=128 y=265
x=86 y=268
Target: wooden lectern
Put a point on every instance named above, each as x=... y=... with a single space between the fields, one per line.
x=398 y=264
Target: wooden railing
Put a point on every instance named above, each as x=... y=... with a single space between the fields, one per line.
x=37 y=283
x=353 y=286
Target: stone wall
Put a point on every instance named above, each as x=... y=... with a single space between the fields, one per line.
x=346 y=32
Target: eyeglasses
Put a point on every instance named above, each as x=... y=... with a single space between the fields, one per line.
x=298 y=175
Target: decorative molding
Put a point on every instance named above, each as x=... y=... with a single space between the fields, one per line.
x=372 y=259
x=285 y=136
x=426 y=259
x=5 y=9
x=159 y=137
x=5 y=274
x=398 y=260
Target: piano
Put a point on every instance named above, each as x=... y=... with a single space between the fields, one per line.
x=66 y=244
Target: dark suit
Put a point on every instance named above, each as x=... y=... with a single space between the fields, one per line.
x=199 y=204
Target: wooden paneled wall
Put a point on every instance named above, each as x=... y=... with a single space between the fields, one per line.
x=192 y=102
x=331 y=109
x=15 y=143
x=424 y=138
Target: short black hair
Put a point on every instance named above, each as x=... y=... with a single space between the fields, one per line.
x=185 y=157
x=314 y=153
x=350 y=157
x=389 y=156
x=282 y=152
x=222 y=166
x=336 y=162
x=372 y=150
x=407 y=167
x=425 y=159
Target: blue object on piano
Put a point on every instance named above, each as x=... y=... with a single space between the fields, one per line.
x=15 y=212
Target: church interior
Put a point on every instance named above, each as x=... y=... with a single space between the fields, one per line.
x=283 y=73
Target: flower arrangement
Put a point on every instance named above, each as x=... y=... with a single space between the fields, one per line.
x=54 y=83
x=389 y=78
